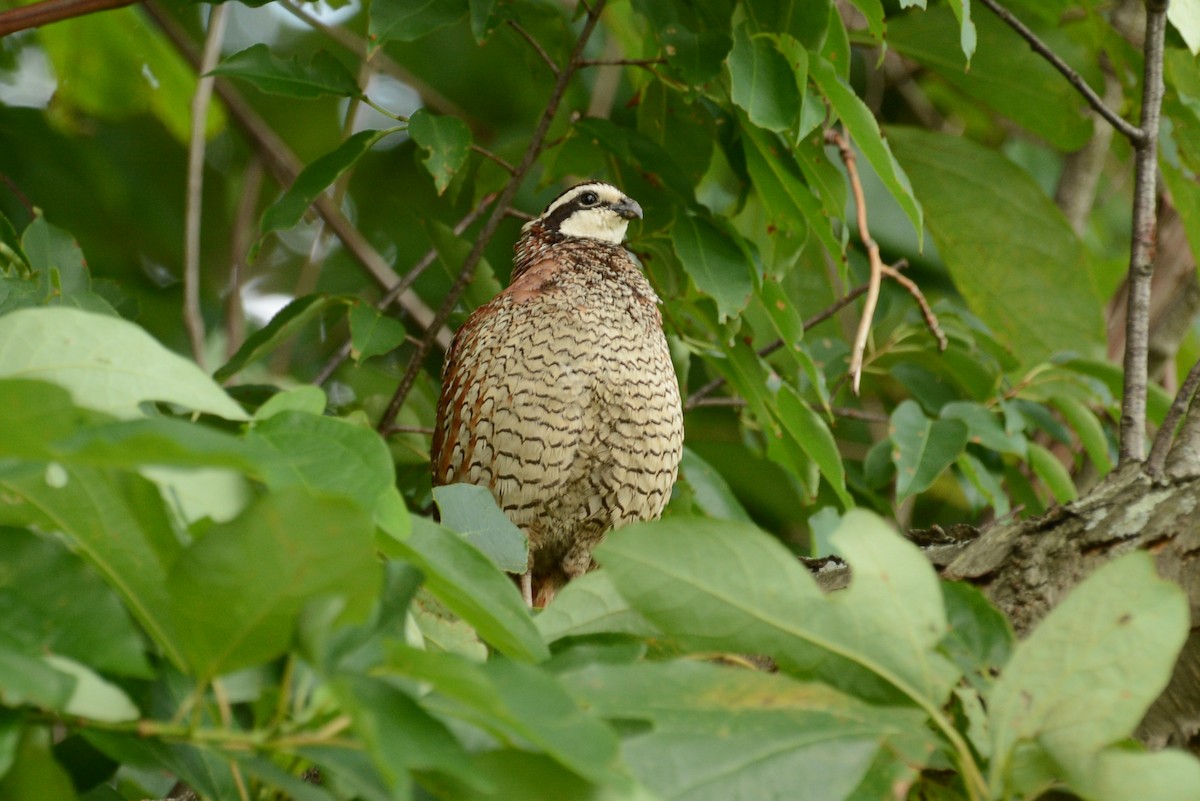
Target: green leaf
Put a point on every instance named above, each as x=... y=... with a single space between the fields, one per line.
x=790 y=204
x=762 y=82
x=108 y=364
x=117 y=522
x=1185 y=16
x=984 y=429
x=864 y=132
x=591 y=604
x=719 y=733
x=409 y=20
x=967 y=34
x=373 y=333
x=91 y=696
x=1086 y=675
x=466 y=581
x=326 y=454
x=35 y=773
x=1046 y=306
x=314 y=179
x=1053 y=474
x=814 y=436
x=34 y=414
x=923 y=448
x=285 y=324
x=725 y=586
x=446 y=142
x=131 y=444
x=27 y=679
x=1088 y=428
x=1005 y=73
x=51 y=602
x=517 y=702
x=237 y=591
x=710 y=491
x=472 y=512
x=304 y=398
x=322 y=75
x=980 y=638
x=872 y=11
x=711 y=257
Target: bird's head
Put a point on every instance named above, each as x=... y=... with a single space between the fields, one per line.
x=592 y=210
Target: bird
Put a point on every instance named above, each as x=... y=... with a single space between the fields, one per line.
x=559 y=394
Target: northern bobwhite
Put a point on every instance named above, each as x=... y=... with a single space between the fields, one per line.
x=559 y=395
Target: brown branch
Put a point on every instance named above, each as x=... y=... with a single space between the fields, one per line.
x=284 y=166
x=1166 y=434
x=1134 y=135
x=622 y=62
x=1145 y=233
x=931 y=321
x=343 y=353
x=498 y=211
x=245 y=228
x=47 y=11
x=536 y=45
x=487 y=154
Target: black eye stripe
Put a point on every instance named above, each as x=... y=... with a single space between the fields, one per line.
x=557 y=217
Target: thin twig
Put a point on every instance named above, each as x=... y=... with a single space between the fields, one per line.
x=622 y=62
x=498 y=211
x=193 y=317
x=343 y=353
x=487 y=154
x=535 y=44
x=1134 y=135
x=931 y=321
x=47 y=11
x=1145 y=234
x=410 y=430
x=1166 y=435
x=284 y=166
x=864 y=233
x=244 y=230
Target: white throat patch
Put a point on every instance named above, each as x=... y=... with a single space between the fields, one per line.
x=601 y=224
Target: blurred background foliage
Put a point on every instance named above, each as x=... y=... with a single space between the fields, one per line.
x=749 y=226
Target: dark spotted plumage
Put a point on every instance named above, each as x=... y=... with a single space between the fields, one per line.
x=559 y=395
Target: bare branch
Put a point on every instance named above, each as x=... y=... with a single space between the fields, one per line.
x=498 y=211
x=931 y=321
x=193 y=318
x=487 y=154
x=1166 y=434
x=47 y=11
x=1094 y=100
x=1145 y=233
x=402 y=286
x=535 y=44
x=245 y=227
x=622 y=62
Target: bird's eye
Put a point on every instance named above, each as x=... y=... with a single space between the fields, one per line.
x=589 y=199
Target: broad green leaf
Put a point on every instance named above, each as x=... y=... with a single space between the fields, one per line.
x=235 y=594
x=35 y=772
x=711 y=493
x=472 y=512
x=1005 y=74
x=516 y=702
x=695 y=56
x=446 y=142
x=814 y=436
x=967 y=34
x=1053 y=474
x=314 y=179
x=108 y=364
x=56 y=258
x=117 y=522
x=1119 y=774
x=864 y=132
x=466 y=581
x=34 y=414
x=1185 y=16
x=720 y=268
x=591 y=604
x=290 y=319
x=1091 y=434
x=91 y=696
x=922 y=448
x=373 y=333
x=1085 y=676
x=27 y=679
x=1046 y=306
x=872 y=11
x=790 y=204
x=719 y=733
x=807 y=20
x=984 y=429
x=10 y=247
x=52 y=602
x=725 y=586
x=409 y=20
x=326 y=454
x=400 y=735
x=322 y=75
x=980 y=638
x=304 y=398
x=986 y=482
x=761 y=81
x=162 y=441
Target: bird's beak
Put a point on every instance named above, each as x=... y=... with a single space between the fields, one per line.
x=628 y=208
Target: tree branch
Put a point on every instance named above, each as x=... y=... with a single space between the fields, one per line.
x=193 y=318
x=1145 y=231
x=47 y=11
x=1114 y=119
x=1166 y=434
x=536 y=45
x=534 y=149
